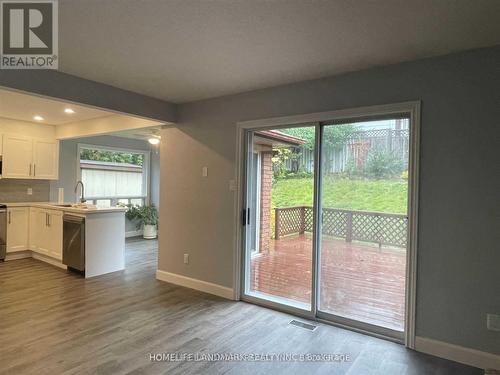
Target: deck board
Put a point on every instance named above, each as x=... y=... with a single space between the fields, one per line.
x=357 y=281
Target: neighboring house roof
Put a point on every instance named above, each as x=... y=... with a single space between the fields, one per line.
x=280 y=137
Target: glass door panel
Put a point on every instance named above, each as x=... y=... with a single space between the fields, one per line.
x=279 y=216
x=364 y=190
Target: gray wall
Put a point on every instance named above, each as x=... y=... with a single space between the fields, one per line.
x=458 y=253
x=68 y=166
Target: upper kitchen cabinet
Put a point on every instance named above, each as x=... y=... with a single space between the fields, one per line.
x=30 y=158
x=45 y=159
x=17 y=156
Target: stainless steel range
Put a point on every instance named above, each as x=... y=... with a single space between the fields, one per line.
x=3 y=231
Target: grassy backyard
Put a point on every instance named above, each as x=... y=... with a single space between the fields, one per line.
x=368 y=195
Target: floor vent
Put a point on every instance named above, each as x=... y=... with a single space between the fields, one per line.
x=310 y=327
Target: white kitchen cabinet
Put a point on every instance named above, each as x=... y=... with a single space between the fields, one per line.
x=55 y=233
x=45 y=159
x=42 y=232
x=46 y=232
x=39 y=227
x=30 y=158
x=17 y=156
x=17 y=229
x=34 y=228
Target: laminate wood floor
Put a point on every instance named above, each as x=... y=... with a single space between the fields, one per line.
x=54 y=322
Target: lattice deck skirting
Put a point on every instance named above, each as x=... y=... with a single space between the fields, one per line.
x=377 y=227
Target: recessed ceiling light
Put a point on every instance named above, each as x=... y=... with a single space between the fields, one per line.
x=38 y=118
x=69 y=111
x=154 y=140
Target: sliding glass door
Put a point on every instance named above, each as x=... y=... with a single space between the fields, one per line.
x=279 y=216
x=349 y=265
x=362 y=251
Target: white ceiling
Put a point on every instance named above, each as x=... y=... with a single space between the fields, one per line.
x=24 y=107
x=142 y=133
x=192 y=49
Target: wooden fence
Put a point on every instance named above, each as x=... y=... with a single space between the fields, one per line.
x=377 y=227
x=355 y=149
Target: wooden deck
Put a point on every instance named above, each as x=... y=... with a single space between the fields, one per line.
x=358 y=281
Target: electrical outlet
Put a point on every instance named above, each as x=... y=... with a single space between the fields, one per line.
x=493 y=322
x=186 y=258
x=232 y=185
x=30 y=191
x=204 y=171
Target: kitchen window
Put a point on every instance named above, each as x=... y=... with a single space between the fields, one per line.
x=113 y=175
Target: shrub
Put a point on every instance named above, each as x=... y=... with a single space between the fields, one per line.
x=280 y=156
x=352 y=170
x=383 y=164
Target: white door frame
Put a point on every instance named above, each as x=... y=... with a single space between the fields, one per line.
x=411 y=108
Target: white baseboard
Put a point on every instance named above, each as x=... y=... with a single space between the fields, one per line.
x=133 y=233
x=18 y=255
x=31 y=254
x=188 y=282
x=467 y=356
x=46 y=259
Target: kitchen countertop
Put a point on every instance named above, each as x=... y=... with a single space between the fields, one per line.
x=56 y=206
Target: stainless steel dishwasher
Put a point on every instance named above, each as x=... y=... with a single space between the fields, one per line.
x=74 y=242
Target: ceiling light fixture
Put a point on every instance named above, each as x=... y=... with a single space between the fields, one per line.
x=69 y=111
x=154 y=140
x=38 y=118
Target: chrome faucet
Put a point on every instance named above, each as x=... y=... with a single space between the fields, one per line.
x=82 y=199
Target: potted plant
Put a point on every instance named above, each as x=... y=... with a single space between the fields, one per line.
x=147 y=217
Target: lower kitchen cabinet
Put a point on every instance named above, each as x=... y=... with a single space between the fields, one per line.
x=55 y=234
x=17 y=229
x=46 y=234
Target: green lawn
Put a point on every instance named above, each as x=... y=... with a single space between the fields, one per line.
x=367 y=195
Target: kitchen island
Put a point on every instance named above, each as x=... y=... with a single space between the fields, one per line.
x=36 y=229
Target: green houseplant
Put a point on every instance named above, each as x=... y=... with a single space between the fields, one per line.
x=147 y=218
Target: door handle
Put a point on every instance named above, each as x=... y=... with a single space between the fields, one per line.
x=34 y=169
x=30 y=169
x=10 y=217
x=46 y=219
x=244 y=217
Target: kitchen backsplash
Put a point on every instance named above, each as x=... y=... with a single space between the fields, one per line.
x=17 y=191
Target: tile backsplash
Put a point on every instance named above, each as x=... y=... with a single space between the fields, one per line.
x=17 y=190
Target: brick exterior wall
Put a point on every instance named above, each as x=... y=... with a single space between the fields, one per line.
x=266 y=185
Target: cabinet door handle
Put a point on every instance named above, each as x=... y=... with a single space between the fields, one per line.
x=34 y=169
x=30 y=169
x=10 y=217
x=46 y=219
